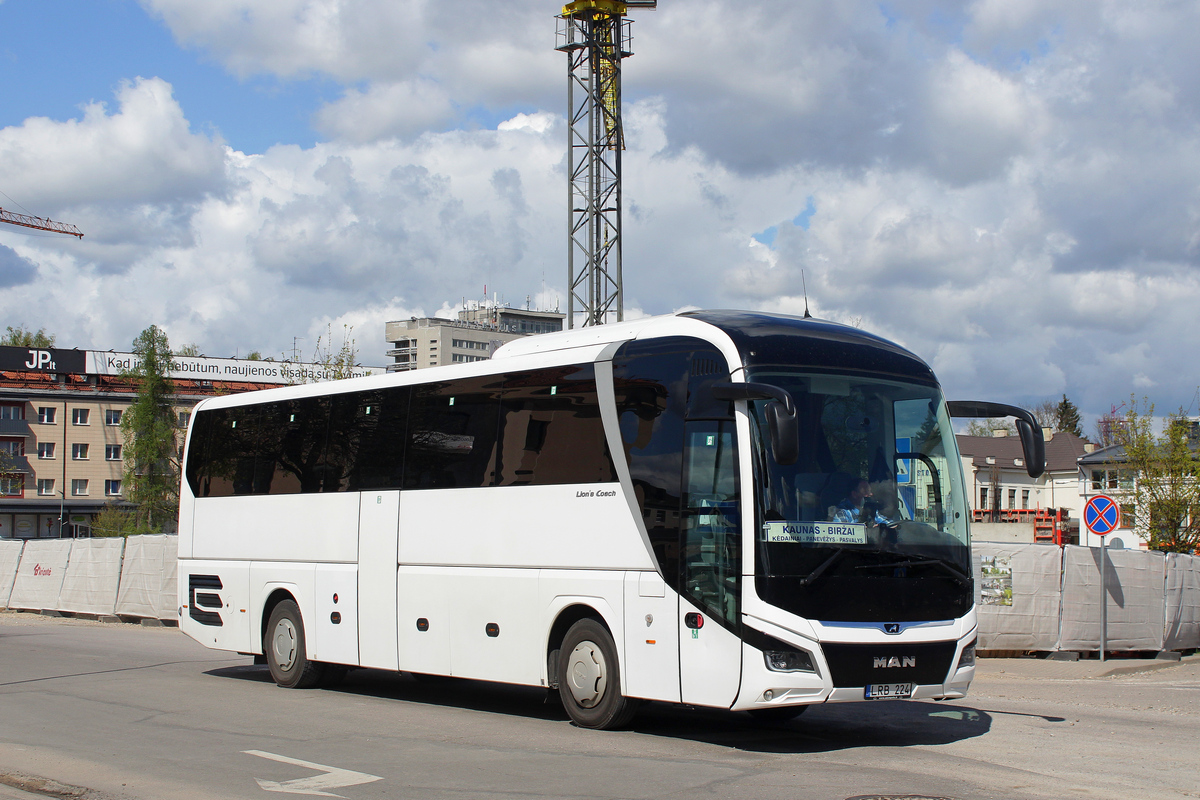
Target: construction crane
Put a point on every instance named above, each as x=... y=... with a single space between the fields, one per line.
x=595 y=36
x=37 y=223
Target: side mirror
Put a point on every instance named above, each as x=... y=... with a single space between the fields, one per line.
x=785 y=434
x=1032 y=443
x=781 y=415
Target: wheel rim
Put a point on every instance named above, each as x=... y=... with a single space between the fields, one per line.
x=587 y=674
x=284 y=644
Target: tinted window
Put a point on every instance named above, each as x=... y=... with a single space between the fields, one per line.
x=272 y=448
x=367 y=431
x=654 y=381
x=551 y=429
x=453 y=430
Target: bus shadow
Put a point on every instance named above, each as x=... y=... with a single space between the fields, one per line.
x=822 y=728
x=495 y=698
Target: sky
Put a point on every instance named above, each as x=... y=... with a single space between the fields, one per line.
x=1008 y=188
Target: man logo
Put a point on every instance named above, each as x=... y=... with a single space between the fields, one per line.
x=894 y=661
x=891 y=627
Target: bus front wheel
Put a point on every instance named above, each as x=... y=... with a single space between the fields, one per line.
x=589 y=678
x=285 y=649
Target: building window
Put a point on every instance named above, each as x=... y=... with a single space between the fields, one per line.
x=1024 y=498
x=112 y=488
x=45 y=450
x=13 y=447
x=184 y=418
x=459 y=358
x=112 y=452
x=79 y=487
x=1111 y=480
x=45 y=486
x=79 y=416
x=12 y=411
x=46 y=415
x=112 y=416
x=983 y=497
x=11 y=485
x=79 y=452
x=1012 y=499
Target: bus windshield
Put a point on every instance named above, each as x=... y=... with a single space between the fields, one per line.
x=872 y=508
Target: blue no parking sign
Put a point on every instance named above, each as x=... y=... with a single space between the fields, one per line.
x=1102 y=515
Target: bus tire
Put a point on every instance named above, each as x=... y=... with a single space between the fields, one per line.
x=589 y=678
x=285 y=649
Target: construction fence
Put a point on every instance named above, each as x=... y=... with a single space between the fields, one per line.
x=133 y=577
x=1045 y=598
x=1029 y=597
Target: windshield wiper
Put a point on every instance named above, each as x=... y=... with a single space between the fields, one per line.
x=824 y=565
x=962 y=578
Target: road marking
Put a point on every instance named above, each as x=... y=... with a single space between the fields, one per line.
x=331 y=777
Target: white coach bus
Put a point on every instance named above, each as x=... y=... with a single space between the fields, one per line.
x=718 y=508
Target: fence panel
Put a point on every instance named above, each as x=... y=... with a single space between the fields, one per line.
x=1019 y=591
x=10 y=557
x=93 y=574
x=148 y=578
x=1135 y=580
x=1182 y=603
x=40 y=575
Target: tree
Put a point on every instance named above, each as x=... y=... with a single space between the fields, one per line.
x=113 y=521
x=1166 y=478
x=150 y=432
x=334 y=365
x=20 y=337
x=189 y=351
x=985 y=428
x=1066 y=417
x=1045 y=412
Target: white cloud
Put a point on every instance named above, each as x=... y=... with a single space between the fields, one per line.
x=386 y=110
x=144 y=152
x=1010 y=189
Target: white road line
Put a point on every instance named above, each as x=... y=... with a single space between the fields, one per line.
x=331 y=777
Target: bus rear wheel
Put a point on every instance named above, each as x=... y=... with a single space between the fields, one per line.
x=285 y=649
x=589 y=678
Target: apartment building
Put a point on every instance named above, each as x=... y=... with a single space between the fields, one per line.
x=60 y=434
x=480 y=328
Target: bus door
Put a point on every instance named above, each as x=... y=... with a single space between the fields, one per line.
x=710 y=652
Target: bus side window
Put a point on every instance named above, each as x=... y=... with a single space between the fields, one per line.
x=367 y=435
x=293 y=438
x=453 y=427
x=551 y=431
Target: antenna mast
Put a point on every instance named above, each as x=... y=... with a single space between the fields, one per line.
x=595 y=36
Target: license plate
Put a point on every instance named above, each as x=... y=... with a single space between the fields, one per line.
x=888 y=691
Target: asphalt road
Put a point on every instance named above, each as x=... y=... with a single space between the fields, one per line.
x=123 y=712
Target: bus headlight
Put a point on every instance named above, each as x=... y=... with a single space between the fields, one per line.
x=789 y=661
x=967 y=659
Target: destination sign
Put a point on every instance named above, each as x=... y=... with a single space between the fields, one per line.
x=816 y=532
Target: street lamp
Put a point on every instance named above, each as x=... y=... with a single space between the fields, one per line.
x=61 y=510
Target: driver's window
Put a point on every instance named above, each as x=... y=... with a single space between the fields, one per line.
x=711 y=549
x=918 y=476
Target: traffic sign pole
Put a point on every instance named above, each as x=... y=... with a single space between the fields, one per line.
x=1102 y=516
x=1103 y=597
